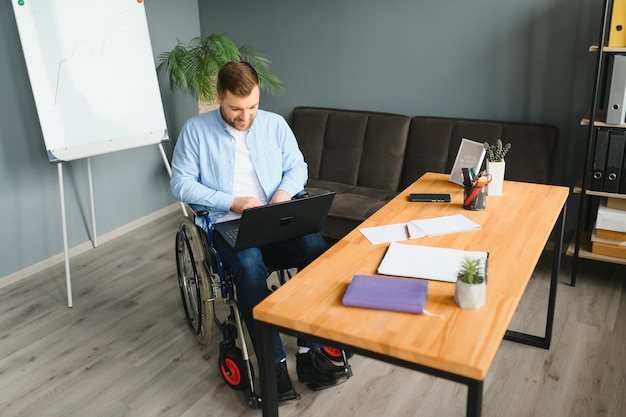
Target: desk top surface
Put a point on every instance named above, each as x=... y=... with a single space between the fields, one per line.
x=514 y=230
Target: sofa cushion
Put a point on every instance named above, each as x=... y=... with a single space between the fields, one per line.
x=360 y=148
x=352 y=204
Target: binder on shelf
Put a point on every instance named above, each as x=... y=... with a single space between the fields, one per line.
x=616 y=106
x=617 y=31
x=614 y=159
x=599 y=160
x=622 y=182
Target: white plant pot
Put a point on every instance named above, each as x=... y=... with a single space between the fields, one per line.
x=471 y=296
x=496 y=170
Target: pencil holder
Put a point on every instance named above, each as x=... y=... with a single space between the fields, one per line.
x=475 y=197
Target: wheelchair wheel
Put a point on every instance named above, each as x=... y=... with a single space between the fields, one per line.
x=233 y=367
x=195 y=289
x=334 y=354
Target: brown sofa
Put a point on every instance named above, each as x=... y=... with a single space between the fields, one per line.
x=367 y=158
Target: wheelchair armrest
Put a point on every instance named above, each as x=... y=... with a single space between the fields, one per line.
x=199 y=210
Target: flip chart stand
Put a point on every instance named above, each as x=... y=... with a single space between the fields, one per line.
x=94 y=237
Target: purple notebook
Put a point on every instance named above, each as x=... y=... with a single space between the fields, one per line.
x=385 y=293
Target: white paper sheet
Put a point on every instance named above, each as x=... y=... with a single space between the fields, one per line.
x=419 y=228
x=440 y=264
x=391 y=232
x=445 y=224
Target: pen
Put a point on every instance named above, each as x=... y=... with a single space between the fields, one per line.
x=408 y=231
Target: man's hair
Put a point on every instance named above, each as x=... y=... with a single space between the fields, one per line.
x=237 y=77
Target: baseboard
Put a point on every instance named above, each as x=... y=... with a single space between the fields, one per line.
x=83 y=247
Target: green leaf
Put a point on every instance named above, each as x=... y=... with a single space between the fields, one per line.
x=193 y=67
x=470 y=271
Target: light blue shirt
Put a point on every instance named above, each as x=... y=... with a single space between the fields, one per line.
x=203 y=165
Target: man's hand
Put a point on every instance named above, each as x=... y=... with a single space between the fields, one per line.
x=280 y=196
x=241 y=203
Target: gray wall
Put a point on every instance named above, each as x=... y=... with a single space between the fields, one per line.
x=128 y=185
x=494 y=59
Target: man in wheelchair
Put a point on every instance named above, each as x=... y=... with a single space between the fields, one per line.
x=238 y=157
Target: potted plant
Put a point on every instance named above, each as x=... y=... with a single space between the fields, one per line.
x=496 y=165
x=192 y=67
x=471 y=284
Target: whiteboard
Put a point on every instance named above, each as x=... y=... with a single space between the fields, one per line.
x=92 y=73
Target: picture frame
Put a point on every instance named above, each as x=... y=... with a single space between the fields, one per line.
x=470 y=155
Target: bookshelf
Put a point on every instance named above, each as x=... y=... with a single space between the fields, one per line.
x=612 y=49
x=584 y=244
x=580 y=247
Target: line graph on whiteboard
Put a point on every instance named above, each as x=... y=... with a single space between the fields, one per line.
x=92 y=72
x=89 y=58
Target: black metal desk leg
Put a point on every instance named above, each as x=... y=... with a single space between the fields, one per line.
x=265 y=359
x=556 y=271
x=545 y=341
x=474 y=398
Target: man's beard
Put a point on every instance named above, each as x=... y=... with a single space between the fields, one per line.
x=234 y=123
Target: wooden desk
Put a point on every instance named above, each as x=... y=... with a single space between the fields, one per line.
x=461 y=346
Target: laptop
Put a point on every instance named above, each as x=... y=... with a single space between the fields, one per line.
x=263 y=225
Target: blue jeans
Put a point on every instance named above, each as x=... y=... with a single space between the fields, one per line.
x=249 y=271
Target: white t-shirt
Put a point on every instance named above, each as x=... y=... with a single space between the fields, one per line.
x=246 y=181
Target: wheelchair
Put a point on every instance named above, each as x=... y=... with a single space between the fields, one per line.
x=202 y=278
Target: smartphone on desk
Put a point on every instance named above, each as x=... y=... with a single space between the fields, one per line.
x=429 y=198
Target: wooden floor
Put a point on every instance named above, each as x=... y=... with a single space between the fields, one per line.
x=124 y=349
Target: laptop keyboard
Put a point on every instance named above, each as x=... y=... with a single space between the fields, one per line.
x=232 y=234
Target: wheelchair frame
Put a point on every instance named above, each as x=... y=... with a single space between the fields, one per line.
x=202 y=277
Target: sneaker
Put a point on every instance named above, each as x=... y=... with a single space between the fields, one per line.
x=318 y=372
x=286 y=391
